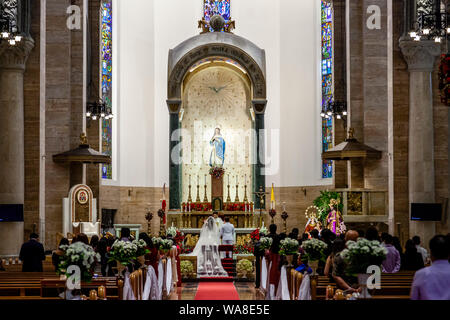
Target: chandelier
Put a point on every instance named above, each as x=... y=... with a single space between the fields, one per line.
x=8 y=23
x=336 y=109
x=432 y=22
x=97 y=110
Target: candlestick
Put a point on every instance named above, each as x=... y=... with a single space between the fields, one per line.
x=236 y=179
x=189 y=196
x=205 y=198
x=228 y=195
x=228 y=179
x=205 y=179
x=237 y=192
x=197 y=199
x=245 y=194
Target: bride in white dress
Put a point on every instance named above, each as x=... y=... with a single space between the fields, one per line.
x=207 y=251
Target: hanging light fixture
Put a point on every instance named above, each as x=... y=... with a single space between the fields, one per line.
x=98 y=110
x=8 y=23
x=431 y=23
x=336 y=109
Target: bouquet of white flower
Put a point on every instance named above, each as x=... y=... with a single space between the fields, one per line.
x=266 y=243
x=166 y=245
x=361 y=254
x=141 y=247
x=263 y=231
x=172 y=231
x=288 y=246
x=81 y=255
x=123 y=252
x=156 y=242
x=314 y=250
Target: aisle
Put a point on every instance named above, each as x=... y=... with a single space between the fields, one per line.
x=216 y=291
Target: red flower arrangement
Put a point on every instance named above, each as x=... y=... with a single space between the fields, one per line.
x=444 y=79
x=255 y=235
x=179 y=238
x=217 y=172
x=243 y=249
x=236 y=206
x=197 y=206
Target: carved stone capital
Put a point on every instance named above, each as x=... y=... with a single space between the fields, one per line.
x=174 y=106
x=15 y=57
x=420 y=55
x=259 y=106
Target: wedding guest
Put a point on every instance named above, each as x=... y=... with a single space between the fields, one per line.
x=259 y=254
x=301 y=266
x=337 y=246
x=328 y=237
x=274 y=258
x=94 y=242
x=392 y=262
x=58 y=253
x=294 y=234
x=433 y=283
x=32 y=254
x=372 y=234
x=314 y=234
x=153 y=256
x=81 y=237
x=361 y=233
x=102 y=250
x=125 y=235
x=412 y=260
x=344 y=281
x=305 y=237
x=420 y=249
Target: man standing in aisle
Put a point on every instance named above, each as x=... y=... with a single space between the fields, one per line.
x=227 y=233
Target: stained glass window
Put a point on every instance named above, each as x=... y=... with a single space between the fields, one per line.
x=106 y=69
x=327 y=83
x=213 y=7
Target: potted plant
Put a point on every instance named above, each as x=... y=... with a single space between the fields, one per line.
x=81 y=255
x=289 y=247
x=141 y=251
x=244 y=267
x=359 y=256
x=124 y=252
x=314 y=252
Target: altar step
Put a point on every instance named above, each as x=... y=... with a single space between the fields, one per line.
x=216 y=279
x=230 y=266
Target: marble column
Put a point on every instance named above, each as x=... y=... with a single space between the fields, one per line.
x=175 y=181
x=259 y=178
x=12 y=66
x=12 y=156
x=421 y=57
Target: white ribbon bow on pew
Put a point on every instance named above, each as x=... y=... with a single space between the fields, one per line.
x=151 y=285
x=283 y=288
x=127 y=290
x=304 y=292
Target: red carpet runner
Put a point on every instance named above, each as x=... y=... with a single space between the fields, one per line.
x=216 y=291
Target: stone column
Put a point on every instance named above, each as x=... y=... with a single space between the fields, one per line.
x=12 y=164
x=12 y=67
x=259 y=179
x=421 y=57
x=175 y=181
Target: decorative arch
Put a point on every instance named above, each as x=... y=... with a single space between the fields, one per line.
x=181 y=59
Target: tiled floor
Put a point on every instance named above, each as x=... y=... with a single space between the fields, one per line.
x=246 y=291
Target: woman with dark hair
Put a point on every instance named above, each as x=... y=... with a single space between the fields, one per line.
x=81 y=237
x=94 y=242
x=152 y=258
x=274 y=273
x=102 y=249
x=58 y=253
x=372 y=234
x=412 y=260
x=337 y=246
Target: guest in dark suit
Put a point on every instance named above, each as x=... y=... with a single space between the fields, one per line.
x=411 y=259
x=32 y=254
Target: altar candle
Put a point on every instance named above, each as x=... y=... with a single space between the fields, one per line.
x=236 y=179
x=189 y=179
x=205 y=179
x=198 y=180
x=245 y=180
x=228 y=179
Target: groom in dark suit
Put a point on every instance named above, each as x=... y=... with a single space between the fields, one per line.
x=32 y=254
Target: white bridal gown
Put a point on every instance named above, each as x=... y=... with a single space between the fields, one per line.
x=207 y=251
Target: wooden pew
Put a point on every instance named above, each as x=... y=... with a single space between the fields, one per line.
x=22 y=285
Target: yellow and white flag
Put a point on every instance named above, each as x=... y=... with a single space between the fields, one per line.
x=272 y=198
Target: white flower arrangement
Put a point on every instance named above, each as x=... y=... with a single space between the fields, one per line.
x=124 y=252
x=172 y=231
x=263 y=231
x=141 y=247
x=266 y=243
x=81 y=255
x=314 y=250
x=244 y=266
x=288 y=246
x=363 y=253
x=166 y=244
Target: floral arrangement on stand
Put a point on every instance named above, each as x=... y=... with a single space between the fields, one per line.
x=237 y=206
x=157 y=242
x=244 y=267
x=265 y=243
x=314 y=250
x=81 y=255
x=289 y=246
x=125 y=253
x=187 y=269
x=359 y=256
x=217 y=172
x=255 y=235
x=165 y=245
x=141 y=250
x=197 y=206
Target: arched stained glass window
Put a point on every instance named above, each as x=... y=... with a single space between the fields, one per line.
x=213 y=7
x=106 y=79
x=327 y=83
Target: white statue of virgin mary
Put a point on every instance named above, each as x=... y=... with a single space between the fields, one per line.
x=207 y=251
x=217 y=157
